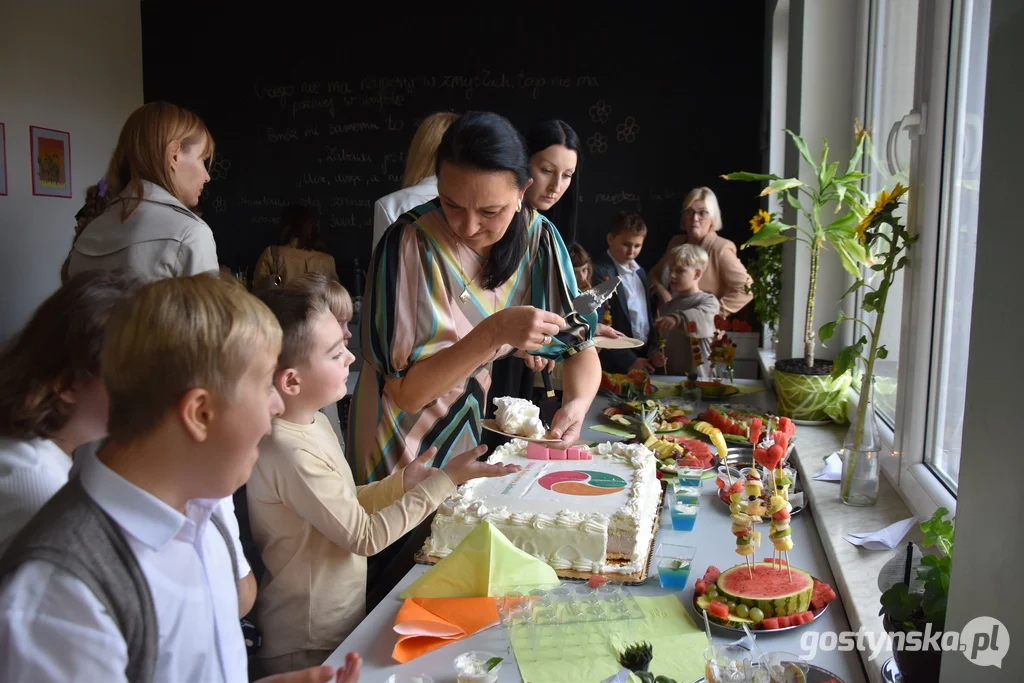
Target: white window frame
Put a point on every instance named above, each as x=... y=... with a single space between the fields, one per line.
x=943 y=26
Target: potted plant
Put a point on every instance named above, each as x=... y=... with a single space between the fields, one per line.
x=766 y=283
x=887 y=240
x=924 y=610
x=805 y=386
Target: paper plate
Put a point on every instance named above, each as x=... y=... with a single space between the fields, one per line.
x=492 y=426
x=617 y=343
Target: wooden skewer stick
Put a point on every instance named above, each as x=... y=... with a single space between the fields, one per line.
x=788 y=568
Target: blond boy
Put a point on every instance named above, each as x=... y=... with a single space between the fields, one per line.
x=686 y=264
x=313 y=525
x=139 y=539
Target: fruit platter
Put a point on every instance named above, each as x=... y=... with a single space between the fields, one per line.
x=711 y=389
x=765 y=596
x=663 y=417
x=742 y=424
x=674 y=452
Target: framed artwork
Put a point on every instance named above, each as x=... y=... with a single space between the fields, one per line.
x=51 y=162
x=3 y=160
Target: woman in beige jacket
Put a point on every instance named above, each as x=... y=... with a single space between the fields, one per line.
x=725 y=276
x=297 y=252
x=147 y=225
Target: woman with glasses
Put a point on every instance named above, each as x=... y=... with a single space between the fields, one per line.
x=725 y=276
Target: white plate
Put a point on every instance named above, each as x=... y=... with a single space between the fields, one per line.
x=617 y=343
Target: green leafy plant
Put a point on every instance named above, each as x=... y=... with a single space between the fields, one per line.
x=886 y=239
x=913 y=610
x=493 y=662
x=636 y=657
x=839 y=232
x=766 y=284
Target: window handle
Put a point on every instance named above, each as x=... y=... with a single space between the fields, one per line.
x=914 y=124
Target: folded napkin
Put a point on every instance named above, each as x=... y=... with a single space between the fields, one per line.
x=832 y=471
x=621 y=677
x=883 y=539
x=484 y=564
x=425 y=624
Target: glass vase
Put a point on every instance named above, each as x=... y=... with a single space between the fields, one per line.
x=861 y=451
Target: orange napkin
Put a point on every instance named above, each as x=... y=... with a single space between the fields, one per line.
x=425 y=624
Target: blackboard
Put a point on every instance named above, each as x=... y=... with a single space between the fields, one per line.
x=317 y=104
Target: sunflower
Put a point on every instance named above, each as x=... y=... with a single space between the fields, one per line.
x=759 y=221
x=886 y=202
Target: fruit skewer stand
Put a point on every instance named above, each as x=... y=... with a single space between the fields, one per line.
x=375 y=638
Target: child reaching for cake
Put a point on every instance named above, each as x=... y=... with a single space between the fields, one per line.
x=688 y=305
x=313 y=526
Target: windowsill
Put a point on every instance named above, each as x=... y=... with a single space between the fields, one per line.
x=855 y=569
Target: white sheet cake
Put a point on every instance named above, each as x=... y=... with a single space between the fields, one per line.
x=588 y=515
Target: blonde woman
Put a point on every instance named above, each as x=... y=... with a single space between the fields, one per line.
x=419 y=184
x=725 y=276
x=149 y=227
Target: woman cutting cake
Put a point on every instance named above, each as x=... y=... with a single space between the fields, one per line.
x=456 y=284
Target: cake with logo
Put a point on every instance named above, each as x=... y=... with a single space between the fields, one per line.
x=586 y=510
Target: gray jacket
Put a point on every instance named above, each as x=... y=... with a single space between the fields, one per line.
x=160 y=239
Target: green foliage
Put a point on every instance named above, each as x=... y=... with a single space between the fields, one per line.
x=637 y=657
x=766 y=284
x=927 y=606
x=844 y=190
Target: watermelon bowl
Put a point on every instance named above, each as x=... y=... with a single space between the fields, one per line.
x=785 y=602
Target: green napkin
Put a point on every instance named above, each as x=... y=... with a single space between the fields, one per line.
x=678 y=647
x=484 y=564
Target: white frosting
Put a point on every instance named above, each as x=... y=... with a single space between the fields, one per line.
x=518 y=416
x=566 y=530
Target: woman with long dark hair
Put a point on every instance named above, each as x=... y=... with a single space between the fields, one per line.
x=456 y=284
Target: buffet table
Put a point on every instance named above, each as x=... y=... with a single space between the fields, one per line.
x=374 y=638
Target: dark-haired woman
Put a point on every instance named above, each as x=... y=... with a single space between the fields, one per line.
x=298 y=252
x=456 y=284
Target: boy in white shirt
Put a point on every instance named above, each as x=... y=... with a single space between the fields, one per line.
x=313 y=525
x=126 y=573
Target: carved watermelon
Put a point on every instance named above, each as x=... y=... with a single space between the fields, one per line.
x=771 y=589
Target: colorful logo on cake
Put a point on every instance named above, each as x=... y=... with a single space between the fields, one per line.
x=582 y=483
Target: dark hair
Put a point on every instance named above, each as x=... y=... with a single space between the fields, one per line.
x=556 y=132
x=295 y=310
x=488 y=142
x=298 y=223
x=61 y=343
x=628 y=221
x=580 y=258
x=97 y=199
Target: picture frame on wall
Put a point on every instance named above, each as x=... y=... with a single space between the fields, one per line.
x=3 y=160
x=51 y=162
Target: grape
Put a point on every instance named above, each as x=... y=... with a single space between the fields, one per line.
x=731 y=603
x=742 y=611
x=755 y=614
x=712 y=593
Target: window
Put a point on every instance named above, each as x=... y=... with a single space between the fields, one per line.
x=954 y=286
x=889 y=114
x=925 y=97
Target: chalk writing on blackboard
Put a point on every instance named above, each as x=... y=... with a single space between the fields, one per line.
x=620 y=197
x=597 y=143
x=284 y=135
x=220 y=167
x=220 y=205
x=627 y=130
x=332 y=154
x=600 y=111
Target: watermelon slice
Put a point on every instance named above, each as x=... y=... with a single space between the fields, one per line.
x=787 y=426
x=802 y=618
x=719 y=609
x=596 y=581
x=711 y=575
x=780 y=561
x=700 y=588
x=822 y=594
x=767 y=458
x=770 y=590
x=785 y=622
x=781 y=440
x=770 y=623
x=755 y=429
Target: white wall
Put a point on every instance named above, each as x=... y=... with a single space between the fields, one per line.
x=74 y=66
x=989 y=550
